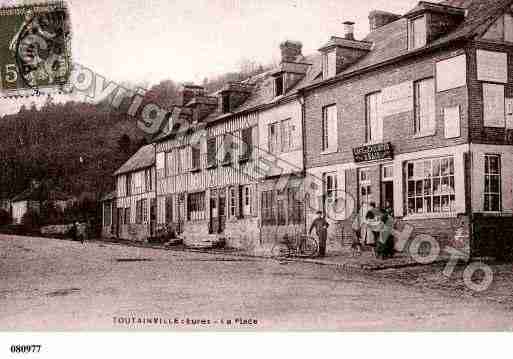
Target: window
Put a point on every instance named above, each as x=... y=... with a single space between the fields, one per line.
x=228 y=148
x=430 y=185
x=364 y=187
x=161 y=164
x=330 y=64
x=278 y=86
x=374 y=121
x=329 y=128
x=128 y=184
x=169 y=209
x=286 y=135
x=387 y=172
x=233 y=202
x=211 y=152
x=268 y=208
x=148 y=179
x=295 y=204
x=139 y=210
x=246 y=200
x=424 y=106
x=418 y=32
x=282 y=214
x=170 y=164
x=274 y=137
x=196 y=157
x=107 y=214
x=492 y=190
x=493 y=105
x=247 y=143
x=196 y=206
x=127 y=219
x=330 y=189
x=138 y=179
x=145 y=210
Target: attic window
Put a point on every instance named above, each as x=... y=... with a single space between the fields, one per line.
x=330 y=64
x=417 y=32
x=278 y=86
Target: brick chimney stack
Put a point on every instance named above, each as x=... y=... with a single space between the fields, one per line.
x=290 y=50
x=349 y=30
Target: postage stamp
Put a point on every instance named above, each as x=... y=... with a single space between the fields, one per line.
x=35 y=49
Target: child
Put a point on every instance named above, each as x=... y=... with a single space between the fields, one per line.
x=356 y=245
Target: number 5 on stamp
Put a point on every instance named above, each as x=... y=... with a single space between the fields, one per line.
x=34 y=46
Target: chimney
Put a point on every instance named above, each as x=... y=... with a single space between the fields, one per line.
x=290 y=50
x=378 y=18
x=349 y=30
x=190 y=91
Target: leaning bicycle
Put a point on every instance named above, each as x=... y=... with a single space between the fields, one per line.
x=301 y=245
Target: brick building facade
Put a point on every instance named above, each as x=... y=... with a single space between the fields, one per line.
x=422 y=124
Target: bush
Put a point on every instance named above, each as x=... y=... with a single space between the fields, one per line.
x=5 y=217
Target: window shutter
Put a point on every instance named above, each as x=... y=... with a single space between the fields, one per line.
x=452 y=121
x=493 y=105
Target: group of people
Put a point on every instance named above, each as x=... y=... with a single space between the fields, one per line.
x=371 y=228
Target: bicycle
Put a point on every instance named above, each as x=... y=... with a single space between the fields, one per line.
x=301 y=245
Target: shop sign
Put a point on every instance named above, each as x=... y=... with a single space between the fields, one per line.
x=379 y=151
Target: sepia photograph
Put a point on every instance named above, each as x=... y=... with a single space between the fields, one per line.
x=255 y=166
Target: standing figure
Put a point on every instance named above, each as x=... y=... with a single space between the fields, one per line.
x=321 y=229
x=356 y=245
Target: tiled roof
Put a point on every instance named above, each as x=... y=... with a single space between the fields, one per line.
x=388 y=43
x=391 y=41
x=143 y=158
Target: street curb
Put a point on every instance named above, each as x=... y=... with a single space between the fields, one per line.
x=344 y=266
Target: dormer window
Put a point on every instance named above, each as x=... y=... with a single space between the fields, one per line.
x=330 y=64
x=278 y=86
x=417 y=32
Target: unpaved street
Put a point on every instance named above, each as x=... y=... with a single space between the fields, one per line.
x=50 y=284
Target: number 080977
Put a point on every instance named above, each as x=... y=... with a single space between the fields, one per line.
x=29 y=348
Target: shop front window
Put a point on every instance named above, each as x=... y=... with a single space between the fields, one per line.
x=430 y=186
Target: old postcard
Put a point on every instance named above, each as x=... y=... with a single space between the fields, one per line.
x=255 y=165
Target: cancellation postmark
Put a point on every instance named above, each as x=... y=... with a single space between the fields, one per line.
x=35 y=49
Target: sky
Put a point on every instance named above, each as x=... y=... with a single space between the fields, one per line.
x=146 y=41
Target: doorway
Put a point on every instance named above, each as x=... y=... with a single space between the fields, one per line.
x=217 y=202
x=387 y=186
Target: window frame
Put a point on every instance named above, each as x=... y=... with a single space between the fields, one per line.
x=279 y=86
x=196 y=206
x=418 y=109
x=246 y=200
x=437 y=178
x=326 y=128
x=490 y=175
x=368 y=119
x=195 y=157
x=412 y=38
